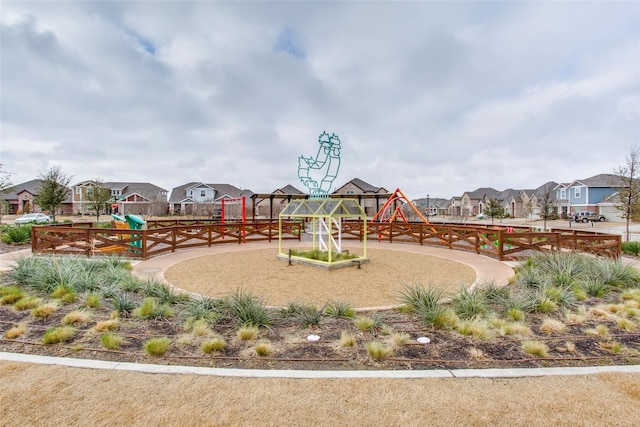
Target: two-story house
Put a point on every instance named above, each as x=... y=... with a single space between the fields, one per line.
x=138 y=198
x=201 y=199
x=270 y=205
x=585 y=194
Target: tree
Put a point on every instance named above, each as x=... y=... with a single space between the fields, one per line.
x=628 y=186
x=527 y=209
x=98 y=196
x=494 y=209
x=5 y=183
x=53 y=190
x=548 y=209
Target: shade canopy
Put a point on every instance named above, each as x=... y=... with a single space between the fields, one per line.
x=316 y=208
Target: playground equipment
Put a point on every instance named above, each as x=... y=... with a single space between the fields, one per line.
x=128 y=222
x=327 y=158
x=385 y=214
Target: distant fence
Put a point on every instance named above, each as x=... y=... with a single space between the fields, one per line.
x=162 y=236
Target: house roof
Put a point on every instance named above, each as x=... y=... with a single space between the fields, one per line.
x=147 y=190
x=600 y=180
x=32 y=187
x=289 y=189
x=364 y=186
x=178 y=194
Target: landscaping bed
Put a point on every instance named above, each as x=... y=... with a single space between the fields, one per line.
x=95 y=309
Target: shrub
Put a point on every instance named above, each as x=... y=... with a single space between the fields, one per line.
x=17 y=235
x=111 y=341
x=378 y=351
x=157 y=346
x=123 y=304
x=424 y=301
x=164 y=293
x=213 y=345
x=631 y=248
x=58 y=335
x=201 y=309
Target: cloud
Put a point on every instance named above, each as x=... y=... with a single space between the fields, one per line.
x=426 y=96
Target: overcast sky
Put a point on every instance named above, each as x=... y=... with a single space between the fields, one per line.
x=430 y=97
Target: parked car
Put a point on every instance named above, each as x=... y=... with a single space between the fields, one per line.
x=480 y=215
x=32 y=218
x=587 y=216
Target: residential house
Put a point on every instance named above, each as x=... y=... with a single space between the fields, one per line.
x=436 y=206
x=201 y=199
x=19 y=199
x=370 y=197
x=474 y=202
x=138 y=198
x=585 y=194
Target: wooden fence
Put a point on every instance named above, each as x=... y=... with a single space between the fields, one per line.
x=500 y=242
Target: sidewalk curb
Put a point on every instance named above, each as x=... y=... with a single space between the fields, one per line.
x=299 y=374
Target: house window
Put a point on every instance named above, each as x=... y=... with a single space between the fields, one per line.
x=203 y=193
x=576 y=192
x=350 y=192
x=78 y=190
x=190 y=193
x=563 y=194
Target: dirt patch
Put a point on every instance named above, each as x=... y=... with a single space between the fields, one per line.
x=375 y=284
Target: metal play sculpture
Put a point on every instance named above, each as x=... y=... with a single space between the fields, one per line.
x=318 y=173
x=322 y=213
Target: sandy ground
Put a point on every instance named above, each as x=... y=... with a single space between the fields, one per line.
x=54 y=395
x=375 y=284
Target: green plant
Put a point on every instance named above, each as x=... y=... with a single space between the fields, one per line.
x=424 y=301
x=339 y=309
x=44 y=311
x=248 y=309
x=152 y=309
x=626 y=324
x=631 y=248
x=368 y=323
x=535 y=348
x=477 y=329
x=107 y=325
x=111 y=341
x=157 y=346
x=263 y=349
x=378 y=351
x=470 y=304
x=10 y=295
x=58 y=335
x=17 y=235
x=594 y=287
x=552 y=326
x=26 y=303
x=201 y=309
x=213 y=345
x=92 y=300
x=123 y=304
x=164 y=293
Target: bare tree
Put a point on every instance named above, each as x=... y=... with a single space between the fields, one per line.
x=547 y=208
x=628 y=187
x=53 y=190
x=527 y=210
x=97 y=197
x=5 y=183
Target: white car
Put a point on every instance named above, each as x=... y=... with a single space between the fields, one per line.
x=32 y=218
x=480 y=215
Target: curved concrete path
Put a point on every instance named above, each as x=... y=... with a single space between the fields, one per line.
x=486 y=268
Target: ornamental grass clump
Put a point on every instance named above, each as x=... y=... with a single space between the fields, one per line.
x=263 y=349
x=470 y=304
x=247 y=309
x=347 y=339
x=248 y=333
x=17 y=235
x=157 y=346
x=552 y=326
x=206 y=309
x=10 y=295
x=339 y=309
x=152 y=309
x=378 y=351
x=535 y=348
x=111 y=341
x=27 y=303
x=368 y=323
x=107 y=325
x=58 y=335
x=91 y=300
x=425 y=301
x=16 y=331
x=626 y=325
x=213 y=345
x=44 y=311
x=76 y=317
x=122 y=303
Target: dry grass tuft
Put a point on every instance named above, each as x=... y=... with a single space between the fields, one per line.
x=44 y=311
x=378 y=351
x=476 y=354
x=347 y=339
x=76 y=317
x=263 y=349
x=213 y=345
x=552 y=326
x=157 y=346
x=535 y=348
x=111 y=341
x=248 y=333
x=16 y=331
x=107 y=325
x=58 y=335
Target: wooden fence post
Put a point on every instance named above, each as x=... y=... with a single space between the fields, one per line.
x=501 y=245
x=144 y=244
